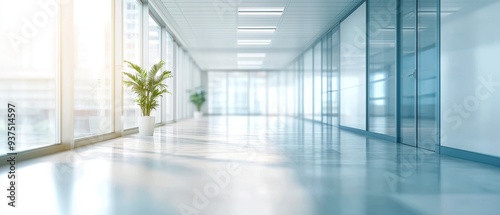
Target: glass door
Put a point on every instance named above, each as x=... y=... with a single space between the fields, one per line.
x=428 y=74
x=418 y=74
x=408 y=73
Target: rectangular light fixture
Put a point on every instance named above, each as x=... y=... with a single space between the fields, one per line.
x=265 y=29
x=249 y=62
x=249 y=67
x=254 y=42
x=276 y=11
x=255 y=55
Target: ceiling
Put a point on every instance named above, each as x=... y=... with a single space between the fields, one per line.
x=209 y=29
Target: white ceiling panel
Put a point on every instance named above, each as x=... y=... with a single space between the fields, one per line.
x=209 y=28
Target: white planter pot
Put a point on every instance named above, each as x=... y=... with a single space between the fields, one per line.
x=146 y=125
x=198 y=114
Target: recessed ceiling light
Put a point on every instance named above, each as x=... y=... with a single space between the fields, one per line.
x=260 y=11
x=251 y=54
x=249 y=66
x=249 y=62
x=254 y=42
x=268 y=29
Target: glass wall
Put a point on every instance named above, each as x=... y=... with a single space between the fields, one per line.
x=187 y=79
x=131 y=52
x=154 y=56
x=217 y=92
x=335 y=77
x=47 y=47
x=368 y=73
x=249 y=93
x=257 y=93
x=291 y=90
x=317 y=83
x=469 y=76
x=272 y=93
x=300 y=86
x=93 y=73
x=382 y=65
x=326 y=79
x=169 y=65
x=282 y=96
x=29 y=72
x=180 y=74
x=237 y=93
x=428 y=74
x=308 y=85
x=353 y=73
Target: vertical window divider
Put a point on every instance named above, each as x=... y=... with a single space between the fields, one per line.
x=145 y=33
x=367 y=68
x=67 y=76
x=163 y=50
x=174 y=81
x=118 y=67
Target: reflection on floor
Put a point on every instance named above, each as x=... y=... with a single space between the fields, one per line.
x=252 y=165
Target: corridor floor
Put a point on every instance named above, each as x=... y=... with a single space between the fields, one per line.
x=255 y=166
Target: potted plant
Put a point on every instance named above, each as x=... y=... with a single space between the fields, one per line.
x=148 y=86
x=198 y=98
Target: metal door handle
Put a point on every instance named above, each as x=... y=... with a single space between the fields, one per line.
x=413 y=73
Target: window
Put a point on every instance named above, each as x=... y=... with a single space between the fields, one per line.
x=93 y=68
x=237 y=93
x=29 y=71
x=155 y=57
x=217 y=92
x=257 y=93
x=132 y=53
x=169 y=65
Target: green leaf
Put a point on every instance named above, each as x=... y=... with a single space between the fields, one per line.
x=147 y=85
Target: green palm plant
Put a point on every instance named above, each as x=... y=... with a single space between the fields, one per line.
x=198 y=98
x=148 y=85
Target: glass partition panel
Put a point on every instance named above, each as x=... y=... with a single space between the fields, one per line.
x=317 y=84
x=353 y=73
x=217 y=92
x=335 y=77
x=282 y=96
x=272 y=93
x=428 y=74
x=470 y=47
x=258 y=93
x=292 y=96
x=407 y=73
x=326 y=80
x=382 y=15
x=237 y=93
x=308 y=80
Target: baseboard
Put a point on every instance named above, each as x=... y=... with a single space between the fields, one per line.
x=369 y=134
x=472 y=156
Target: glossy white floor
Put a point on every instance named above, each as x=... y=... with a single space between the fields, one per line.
x=252 y=165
